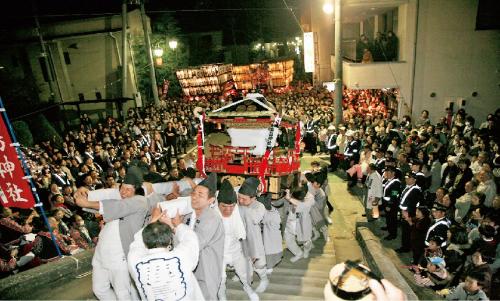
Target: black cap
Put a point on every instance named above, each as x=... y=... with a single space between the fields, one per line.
x=390 y=160
x=134 y=177
x=143 y=166
x=390 y=168
x=189 y=173
x=439 y=207
x=487 y=231
x=309 y=177
x=320 y=177
x=265 y=199
x=226 y=195
x=411 y=175
x=249 y=187
x=424 y=209
x=210 y=182
x=438 y=239
x=153 y=177
x=416 y=162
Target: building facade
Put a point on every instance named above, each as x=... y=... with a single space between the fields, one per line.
x=443 y=60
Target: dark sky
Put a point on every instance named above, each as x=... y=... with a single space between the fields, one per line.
x=244 y=19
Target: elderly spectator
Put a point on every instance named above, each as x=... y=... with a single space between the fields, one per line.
x=463 y=203
x=80 y=234
x=486 y=186
x=11 y=229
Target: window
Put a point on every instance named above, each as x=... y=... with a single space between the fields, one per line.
x=15 y=61
x=67 y=60
x=43 y=66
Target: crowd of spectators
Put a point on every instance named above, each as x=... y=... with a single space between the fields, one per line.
x=383 y=48
x=455 y=163
x=95 y=156
x=445 y=201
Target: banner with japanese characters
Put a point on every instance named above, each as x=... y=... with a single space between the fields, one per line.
x=15 y=190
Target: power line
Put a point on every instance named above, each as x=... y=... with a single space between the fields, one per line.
x=293 y=14
x=210 y=10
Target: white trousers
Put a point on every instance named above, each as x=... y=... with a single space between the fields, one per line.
x=291 y=244
x=242 y=268
x=112 y=283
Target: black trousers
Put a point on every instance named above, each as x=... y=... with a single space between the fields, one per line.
x=334 y=161
x=171 y=145
x=391 y=218
x=405 y=235
x=329 y=205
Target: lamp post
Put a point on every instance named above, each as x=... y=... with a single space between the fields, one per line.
x=328 y=8
x=158 y=54
x=338 y=63
x=152 y=75
x=172 y=44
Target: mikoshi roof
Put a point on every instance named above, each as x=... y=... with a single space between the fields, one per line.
x=254 y=105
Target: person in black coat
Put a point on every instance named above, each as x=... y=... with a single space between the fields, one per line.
x=332 y=147
x=392 y=191
x=352 y=155
x=419 y=226
x=310 y=136
x=464 y=175
x=410 y=198
x=440 y=225
x=416 y=167
x=379 y=160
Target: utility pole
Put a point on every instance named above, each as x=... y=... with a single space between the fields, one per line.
x=152 y=75
x=338 y=63
x=45 y=58
x=124 y=49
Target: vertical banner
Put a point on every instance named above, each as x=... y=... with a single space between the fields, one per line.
x=269 y=149
x=200 y=164
x=308 y=52
x=15 y=191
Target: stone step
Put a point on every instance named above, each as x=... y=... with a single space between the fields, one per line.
x=306 y=264
x=279 y=277
x=308 y=281
x=241 y=295
x=283 y=289
x=300 y=272
x=315 y=251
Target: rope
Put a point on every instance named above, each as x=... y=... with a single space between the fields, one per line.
x=76 y=260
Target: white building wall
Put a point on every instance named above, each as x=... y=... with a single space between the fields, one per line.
x=454 y=60
x=323 y=27
x=94 y=65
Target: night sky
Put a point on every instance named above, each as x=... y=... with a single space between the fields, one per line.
x=242 y=21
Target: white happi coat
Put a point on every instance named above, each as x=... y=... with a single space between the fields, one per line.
x=160 y=274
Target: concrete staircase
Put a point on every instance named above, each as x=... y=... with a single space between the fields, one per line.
x=302 y=280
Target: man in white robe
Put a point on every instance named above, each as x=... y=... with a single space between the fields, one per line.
x=234 y=233
x=162 y=271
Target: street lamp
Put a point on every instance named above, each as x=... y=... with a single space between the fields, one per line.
x=172 y=44
x=158 y=53
x=328 y=8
